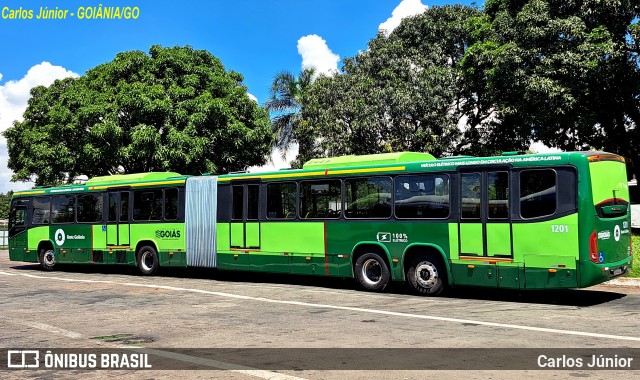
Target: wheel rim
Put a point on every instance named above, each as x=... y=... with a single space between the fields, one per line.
x=49 y=258
x=372 y=272
x=426 y=274
x=147 y=261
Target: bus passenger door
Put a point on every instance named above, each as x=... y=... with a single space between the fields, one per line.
x=245 y=226
x=497 y=221
x=123 y=221
x=485 y=230
x=118 y=219
x=18 y=229
x=471 y=206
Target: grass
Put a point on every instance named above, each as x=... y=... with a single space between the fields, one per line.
x=635 y=246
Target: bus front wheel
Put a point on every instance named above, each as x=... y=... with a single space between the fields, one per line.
x=147 y=260
x=426 y=275
x=47 y=259
x=372 y=272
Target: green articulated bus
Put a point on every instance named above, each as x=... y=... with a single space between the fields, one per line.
x=515 y=221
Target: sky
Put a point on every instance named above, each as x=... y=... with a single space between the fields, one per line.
x=257 y=38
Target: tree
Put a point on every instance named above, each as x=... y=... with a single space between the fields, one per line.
x=5 y=200
x=406 y=92
x=565 y=73
x=174 y=109
x=285 y=99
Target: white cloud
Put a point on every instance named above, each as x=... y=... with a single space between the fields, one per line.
x=316 y=53
x=539 y=147
x=252 y=97
x=276 y=162
x=406 y=8
x=14 y=95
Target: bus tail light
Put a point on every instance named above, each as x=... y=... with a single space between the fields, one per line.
x=593 y=247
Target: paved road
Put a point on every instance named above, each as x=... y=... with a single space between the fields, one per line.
x=109 y=307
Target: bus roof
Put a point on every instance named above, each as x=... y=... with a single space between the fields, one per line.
x=345 y=165
x=366 y=160
x=411 y=162
x=116 y=180
x=129 y=178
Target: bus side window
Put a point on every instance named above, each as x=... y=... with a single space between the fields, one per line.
x=89 y=208
x=147 y=204
x=41 y=210
x=63 y=208
x=171 y=204
x=368 y=197
x=124 y=206
x=320 y=199
x=538 y=194
x=17 y=217
x=112 y=215
x=281 y=200
x=470 y=204
x=422 y=196
x=237 y=202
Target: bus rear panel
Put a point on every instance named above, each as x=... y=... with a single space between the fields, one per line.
x=607 y=221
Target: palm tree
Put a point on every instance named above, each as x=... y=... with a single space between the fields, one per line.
x=285 y=99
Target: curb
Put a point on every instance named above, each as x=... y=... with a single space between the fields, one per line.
x=625 y=281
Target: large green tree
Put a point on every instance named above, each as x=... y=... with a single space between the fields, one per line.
x=173 y=109
x=405 y=92
x=563 y=72
x=460 y=80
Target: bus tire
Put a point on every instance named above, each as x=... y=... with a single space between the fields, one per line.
x=47 y=259
x=372 y=272
x=426 y=275
x=148 y=261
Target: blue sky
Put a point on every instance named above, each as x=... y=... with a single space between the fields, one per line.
x=256 y=38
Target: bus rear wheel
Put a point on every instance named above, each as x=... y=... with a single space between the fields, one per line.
x=148 y=261
x=426 y=275
x=47 y=259
x=372 y=272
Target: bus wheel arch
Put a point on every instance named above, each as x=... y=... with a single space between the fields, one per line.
x=147 y=258
x=426 y=270
x=371 y=267
x=46 y=255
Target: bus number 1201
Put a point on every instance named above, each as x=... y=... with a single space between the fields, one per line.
x=557 y=228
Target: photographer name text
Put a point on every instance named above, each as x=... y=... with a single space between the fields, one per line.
x=595 y=361
x=98 y=12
